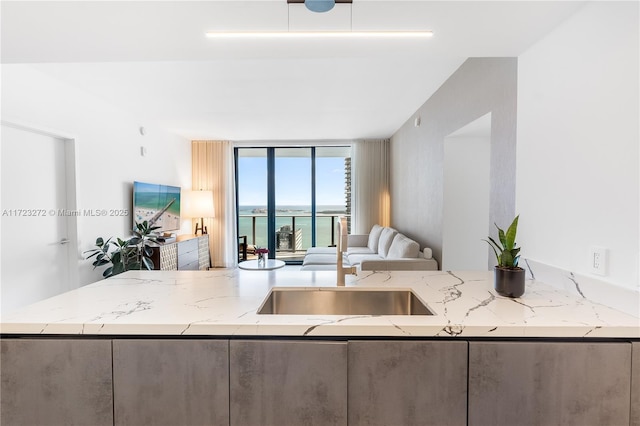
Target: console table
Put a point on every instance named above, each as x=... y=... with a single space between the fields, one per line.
x=187 y=253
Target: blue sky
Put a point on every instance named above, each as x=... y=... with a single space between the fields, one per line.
x=293 y=181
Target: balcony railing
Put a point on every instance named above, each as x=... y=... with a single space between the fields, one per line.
x=293 y=230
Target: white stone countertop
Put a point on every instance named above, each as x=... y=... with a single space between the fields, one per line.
x=223 y=302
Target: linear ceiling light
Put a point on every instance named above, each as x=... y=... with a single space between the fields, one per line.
x=319 y=6
x=321 y=34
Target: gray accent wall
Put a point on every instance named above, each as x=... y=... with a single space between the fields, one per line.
x=478 y=87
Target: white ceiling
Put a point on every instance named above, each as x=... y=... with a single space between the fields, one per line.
x=152 y=59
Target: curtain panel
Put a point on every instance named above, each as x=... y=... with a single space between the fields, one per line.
x=370 y=185
x=212 y=168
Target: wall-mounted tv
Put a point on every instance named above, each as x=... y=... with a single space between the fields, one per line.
x=159 y=204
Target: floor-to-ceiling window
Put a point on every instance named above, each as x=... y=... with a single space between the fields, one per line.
x=289 y=198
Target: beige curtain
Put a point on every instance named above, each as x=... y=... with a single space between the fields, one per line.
x=212 y=168
x=370 y=185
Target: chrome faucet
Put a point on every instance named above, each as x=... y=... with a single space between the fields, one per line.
x=343 y=238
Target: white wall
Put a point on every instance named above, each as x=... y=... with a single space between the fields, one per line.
x=107 y=145
x=480 y=86
x=577 y=152
x=465 y=215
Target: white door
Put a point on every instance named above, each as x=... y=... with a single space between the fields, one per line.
x=35 y=249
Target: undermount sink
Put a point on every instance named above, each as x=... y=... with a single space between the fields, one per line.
x=343 y=301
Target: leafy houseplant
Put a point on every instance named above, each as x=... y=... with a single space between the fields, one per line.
x=123 y=255
x=508 y=276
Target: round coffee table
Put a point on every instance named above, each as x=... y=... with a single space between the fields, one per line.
x=269 y=264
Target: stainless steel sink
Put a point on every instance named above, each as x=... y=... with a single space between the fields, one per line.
x=342 y=301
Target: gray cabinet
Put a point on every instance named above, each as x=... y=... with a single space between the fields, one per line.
x=635 y=384
x=407 y=383
x=171 y=382
x=549 y=383
x=288 y=383
x=56 y=382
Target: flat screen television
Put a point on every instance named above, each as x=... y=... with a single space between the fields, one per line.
x=155 y=203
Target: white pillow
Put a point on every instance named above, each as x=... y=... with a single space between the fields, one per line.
x=374 y=238
x=386 y=238
x=403 y=247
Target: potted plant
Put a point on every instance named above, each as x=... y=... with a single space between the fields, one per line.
x=124 y=255
x=508 y=276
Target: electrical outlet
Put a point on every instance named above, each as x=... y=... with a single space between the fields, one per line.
x=598 y=260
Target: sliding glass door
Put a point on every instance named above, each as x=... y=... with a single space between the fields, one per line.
x=251 y=197
x=293 y=202
x=289 y=198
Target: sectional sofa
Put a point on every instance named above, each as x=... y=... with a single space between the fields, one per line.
x=383 y=249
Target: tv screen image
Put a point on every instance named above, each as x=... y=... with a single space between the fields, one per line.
x=159 y=204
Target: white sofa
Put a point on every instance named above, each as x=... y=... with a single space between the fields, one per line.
x=383 y=249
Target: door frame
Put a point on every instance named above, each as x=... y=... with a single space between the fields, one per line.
x=270 y=156
x=71 y=190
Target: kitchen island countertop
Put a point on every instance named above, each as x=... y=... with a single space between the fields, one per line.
x=223 y=302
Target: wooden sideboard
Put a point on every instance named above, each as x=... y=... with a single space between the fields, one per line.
x=188 y=253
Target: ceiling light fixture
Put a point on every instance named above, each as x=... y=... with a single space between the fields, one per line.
x=321 y=34
x=319 y=6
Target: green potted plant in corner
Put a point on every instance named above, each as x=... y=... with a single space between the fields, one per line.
x=123 y=255
x=508 y=276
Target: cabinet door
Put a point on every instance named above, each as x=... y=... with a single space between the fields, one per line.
x=203 y=253
x=61 y=382
x=635 y=384
x=407 y=383
x=288 y=383
x=171 y=382
x=188 y=255
x=167 y=257
x=549 y=383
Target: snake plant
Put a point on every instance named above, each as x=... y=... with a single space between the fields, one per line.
x=506 y=252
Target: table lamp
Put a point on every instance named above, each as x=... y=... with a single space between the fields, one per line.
x=199 y=204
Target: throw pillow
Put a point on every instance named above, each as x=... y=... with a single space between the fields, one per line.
x=403 y=247
x=386 y=238
x=374 y=238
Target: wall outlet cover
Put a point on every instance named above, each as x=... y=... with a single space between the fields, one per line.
x=598 y=259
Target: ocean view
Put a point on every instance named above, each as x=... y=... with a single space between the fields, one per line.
x=284 y=216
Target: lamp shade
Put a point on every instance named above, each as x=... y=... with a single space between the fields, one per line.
x=198 y=204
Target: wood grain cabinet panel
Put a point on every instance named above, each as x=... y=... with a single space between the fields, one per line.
x=171 y=382
x=549 y=383
x=288 y=383
x=56 y=382
x=407 y=383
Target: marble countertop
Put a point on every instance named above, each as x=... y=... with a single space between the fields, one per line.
x=224 y=302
